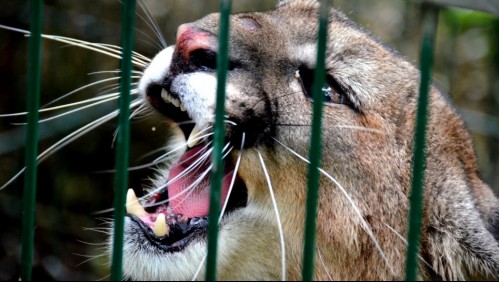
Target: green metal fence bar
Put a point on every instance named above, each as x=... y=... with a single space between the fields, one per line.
x=315 y=145
x=33 y=101
x=123 y=141
x=430 y=21
x=218 y=142
x=477 y=5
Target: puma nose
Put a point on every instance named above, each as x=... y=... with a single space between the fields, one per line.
x=193 y=42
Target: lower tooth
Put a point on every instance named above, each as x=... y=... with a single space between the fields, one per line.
x=160 y=228
x=165 y=96
x=176 y=103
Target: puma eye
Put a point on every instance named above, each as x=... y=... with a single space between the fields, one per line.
x=250 y=23
x=335 y=96
x=333 y=92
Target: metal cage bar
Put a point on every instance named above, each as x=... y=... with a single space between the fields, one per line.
x=33 y=103
x=430 y=21
x=218 y=142
x=315 y=145
x=123 y=141
x=477 y=5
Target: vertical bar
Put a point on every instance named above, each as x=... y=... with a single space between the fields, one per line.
x=31 y=151
x=218 y=142
x=123 y=141
x=33 y=103
x=430 y=20
x=315 y=145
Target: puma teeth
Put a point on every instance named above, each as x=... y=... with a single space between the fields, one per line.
x=176 y=103
x=133 y=206
x=297 y=74
x=169 y=99
x=193 y=139
x=166 y=96
x=160 y=228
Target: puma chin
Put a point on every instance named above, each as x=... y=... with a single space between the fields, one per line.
x=368 y=121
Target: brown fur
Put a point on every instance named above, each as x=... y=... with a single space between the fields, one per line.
x=461 y=214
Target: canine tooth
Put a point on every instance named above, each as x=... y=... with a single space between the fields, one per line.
x=133 y=206
x=176 y=102
x=193 y=137
x=166 y=96
x=160 y=227
x=297 y=74
x=182 y=108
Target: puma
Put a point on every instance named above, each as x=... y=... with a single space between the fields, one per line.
x=368 y=125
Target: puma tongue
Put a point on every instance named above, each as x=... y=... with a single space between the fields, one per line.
x=189 y=194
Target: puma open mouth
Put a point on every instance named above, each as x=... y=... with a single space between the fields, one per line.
x=169 y=105
x=177 y=214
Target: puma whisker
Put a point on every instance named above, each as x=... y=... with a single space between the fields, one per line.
x=355 y=208
x=277 y=216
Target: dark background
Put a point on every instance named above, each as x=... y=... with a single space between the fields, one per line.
x=69 y=232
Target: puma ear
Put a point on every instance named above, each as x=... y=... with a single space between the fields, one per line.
x=281 y=3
